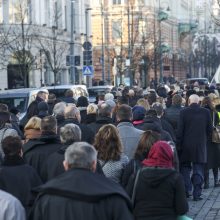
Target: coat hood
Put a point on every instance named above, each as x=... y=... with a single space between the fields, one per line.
x=155 y=176
x=83 y=185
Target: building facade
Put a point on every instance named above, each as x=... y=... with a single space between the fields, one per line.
x=35 y=41
x=137 y=40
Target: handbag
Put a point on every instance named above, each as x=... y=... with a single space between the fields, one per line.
x=216 y=131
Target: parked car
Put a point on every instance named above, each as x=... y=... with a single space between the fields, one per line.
x=19 y=98
x=60 y=90
x=191 y=81
x=94 y=91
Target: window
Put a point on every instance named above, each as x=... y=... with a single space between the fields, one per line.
x=116 y=29
x=116 y=2
x=18 y=11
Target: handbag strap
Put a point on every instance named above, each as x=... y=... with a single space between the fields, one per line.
x=135 y=186
x=3 y=134
x=213 y=119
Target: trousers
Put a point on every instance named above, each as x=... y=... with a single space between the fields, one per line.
x=193 y=175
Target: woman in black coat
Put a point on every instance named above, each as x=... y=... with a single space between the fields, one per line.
x=17 y=177
x=159 y=191
x=213 y=149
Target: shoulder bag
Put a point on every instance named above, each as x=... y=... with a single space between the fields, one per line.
x=216 y=131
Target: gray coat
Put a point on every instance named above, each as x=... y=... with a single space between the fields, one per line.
x=11 y=208
x=130 y=137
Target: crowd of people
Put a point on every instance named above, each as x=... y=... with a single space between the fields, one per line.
x=133 y=154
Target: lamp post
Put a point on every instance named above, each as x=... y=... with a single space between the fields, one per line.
x=160 y=48
x=72 y=57
x=162 y=16
x=102 y=33
x=88 y=78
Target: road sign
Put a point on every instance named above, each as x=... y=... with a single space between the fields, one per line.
x=87 y=45
x=88 y=70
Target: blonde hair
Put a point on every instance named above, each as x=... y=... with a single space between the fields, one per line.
x=92 y=109
x=33 y=123
x=144 y=103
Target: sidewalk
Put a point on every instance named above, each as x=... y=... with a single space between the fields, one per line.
x=209 y=207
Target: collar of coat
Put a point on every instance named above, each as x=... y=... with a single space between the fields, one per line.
x=15 y=160
x=43 y=140
x=83 y=185
x=125 y=123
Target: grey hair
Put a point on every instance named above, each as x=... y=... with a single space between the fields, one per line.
x=194 y=98
x=80 y=155
x=70 y=133
x=59 y=109
x=71 y=111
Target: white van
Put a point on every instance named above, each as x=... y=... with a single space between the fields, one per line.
x=60 y=90
x=19 y=98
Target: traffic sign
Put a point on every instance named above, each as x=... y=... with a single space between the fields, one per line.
x=87 y=45
x=88 y=70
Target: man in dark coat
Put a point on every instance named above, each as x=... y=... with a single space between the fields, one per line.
x=33 y=107
x=195 y=127
x=80 y=193
x=152 y=122
x=104 y=117
x=158 y=107
x=172 y=113
x=36 y=151
x=69 y=134
x=17 y=177
x=72 y=115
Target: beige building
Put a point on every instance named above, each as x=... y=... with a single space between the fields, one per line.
x=139 y=40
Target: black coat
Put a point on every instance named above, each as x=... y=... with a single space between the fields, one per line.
x=172 y=115
x=168 y=128
x=83 y=195
x=213 y=149
x=36 y=152
x=154 y=124
x=54 y=165
x=195 y=127
x=87 y=133
x=100 y=121
x=18 y=179
x=160 y=194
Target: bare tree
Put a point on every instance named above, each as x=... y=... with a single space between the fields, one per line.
x=53 y=46
x=17 y=42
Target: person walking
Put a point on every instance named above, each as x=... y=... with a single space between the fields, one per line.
x=80 y=193
x=213 y=149
x=195 y=127
x=159 y=189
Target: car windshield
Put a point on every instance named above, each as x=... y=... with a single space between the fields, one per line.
x=15 y=102
x=98 y=91
x=60 y=93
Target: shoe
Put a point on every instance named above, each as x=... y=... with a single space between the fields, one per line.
x=206 y=186
x=197 y=198
x=188 y=194
x=216 y=184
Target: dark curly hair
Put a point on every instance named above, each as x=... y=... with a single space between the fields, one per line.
x=108 y=144
x=148 y=138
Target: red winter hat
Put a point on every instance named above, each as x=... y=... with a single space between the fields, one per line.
x=160 y=155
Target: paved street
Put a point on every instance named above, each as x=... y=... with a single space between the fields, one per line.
x=209 y=207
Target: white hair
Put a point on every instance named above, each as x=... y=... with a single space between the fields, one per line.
x=59 y=109
x=70 y=133
x=194 y=99
x=109 y=96
x=80 y=155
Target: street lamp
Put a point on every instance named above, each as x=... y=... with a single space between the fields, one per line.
x=102 y=33
x=162 y=16
x=88 y=78
x=72 y=54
